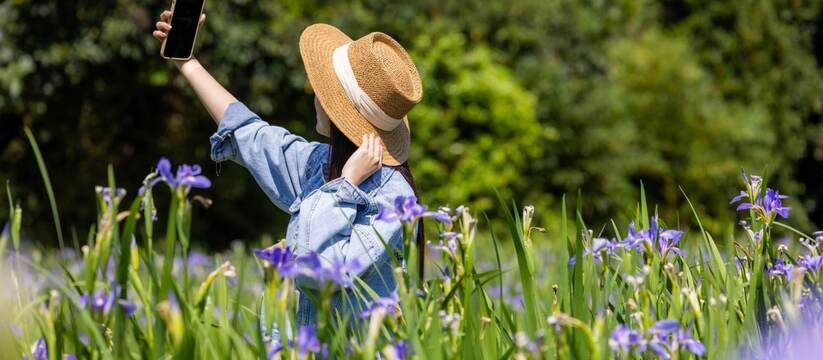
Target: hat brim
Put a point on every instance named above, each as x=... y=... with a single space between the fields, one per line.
x=317 y=44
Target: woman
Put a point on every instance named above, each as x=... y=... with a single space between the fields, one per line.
x=363 y=91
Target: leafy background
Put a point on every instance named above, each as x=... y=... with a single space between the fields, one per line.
x=536 y=98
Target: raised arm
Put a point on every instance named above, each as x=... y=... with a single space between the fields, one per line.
x=276 y=158
x=214 y=96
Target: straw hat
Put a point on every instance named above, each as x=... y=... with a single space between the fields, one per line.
x=367 y=85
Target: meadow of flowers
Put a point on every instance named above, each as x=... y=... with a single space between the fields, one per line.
x=639 y=290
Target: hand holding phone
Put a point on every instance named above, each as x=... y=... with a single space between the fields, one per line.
x=178 y=28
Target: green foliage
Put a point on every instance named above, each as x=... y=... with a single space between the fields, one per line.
x=477 y=126
x=117 y=298
x=682 y=132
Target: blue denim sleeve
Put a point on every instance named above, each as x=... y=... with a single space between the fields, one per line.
x=336 y=235
x=276 y=158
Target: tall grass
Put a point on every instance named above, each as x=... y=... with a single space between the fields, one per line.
x=641 y=290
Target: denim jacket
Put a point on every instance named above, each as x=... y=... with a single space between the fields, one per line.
x=332 y=218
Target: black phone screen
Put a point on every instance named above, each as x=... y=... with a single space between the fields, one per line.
x=184 y=20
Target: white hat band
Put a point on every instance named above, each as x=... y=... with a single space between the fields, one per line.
x=364 y=104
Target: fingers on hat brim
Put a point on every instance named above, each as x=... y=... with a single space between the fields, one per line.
x=317 y=44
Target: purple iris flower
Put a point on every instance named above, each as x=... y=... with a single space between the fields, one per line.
x=400 y=349
x=772 y=202
x=666 y=240
x=685 y=339
x=597 y=247
x=625 y=339
x=307 y=341
x=741 y=196
x=448 y=242
x=128 y=306
x=781 y=268
x=337 y=271
x=440 y=216
x=340 y=271
x=281 y=259
x=103 y=301
x=386 y=304
x=657 y=345
x=766 y=206
x=187 y=176
x=599 y=244
x=40 y=351
x=665 y=327
x=812 y=263
x=635 y=239
x=310 y=264
x=109 y=195
x=740 y=263
x=274 y=347
x=100 y=302
x=668 y=336
x=407 y=210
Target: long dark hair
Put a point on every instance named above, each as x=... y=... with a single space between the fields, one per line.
x=341 y=149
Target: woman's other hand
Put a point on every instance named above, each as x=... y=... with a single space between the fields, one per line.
x=367 y=159
x=163 y=26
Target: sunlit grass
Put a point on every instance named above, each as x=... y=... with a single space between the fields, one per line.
x=636 y=290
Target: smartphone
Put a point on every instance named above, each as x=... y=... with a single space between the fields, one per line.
x=179 y=44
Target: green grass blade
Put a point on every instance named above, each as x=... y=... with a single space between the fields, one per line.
x=44 y=172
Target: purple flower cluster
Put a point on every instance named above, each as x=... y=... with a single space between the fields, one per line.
x=655 y=237
x=388 y=305
x=665 y=240
x=664 y=338
x=625 y=340
x=186 y=177
x=780 y=268
x=39 y=351
x=449 y=242
x=812 y=263
x=288 y=265
x=767 y=206
x=306 y=342
x=109 y=195
x=598 y=245
x=282 y=260
x=400 y=349
x=103 y=301
x=407 y=210
x=668 y=338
